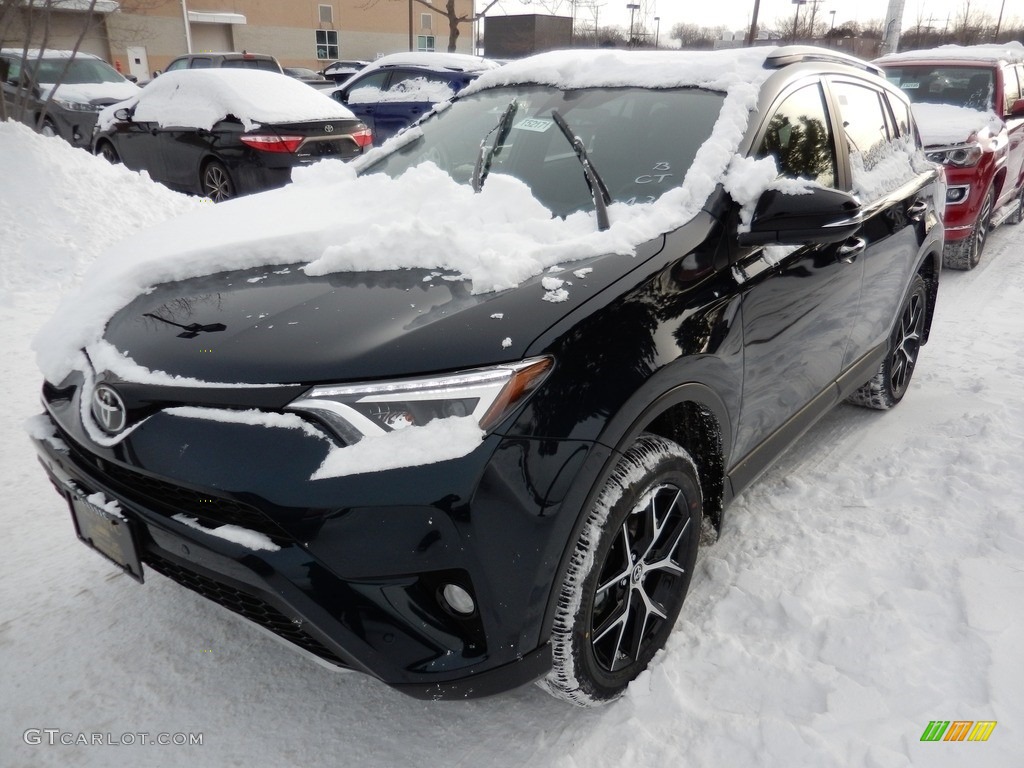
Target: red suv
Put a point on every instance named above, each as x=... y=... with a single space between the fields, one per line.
x=968 y=105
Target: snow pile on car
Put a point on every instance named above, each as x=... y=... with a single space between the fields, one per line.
x=200 y=98
x=942 y=124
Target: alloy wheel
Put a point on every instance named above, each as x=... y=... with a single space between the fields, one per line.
x=217 y=183
x=907 y=343
x=639 y=577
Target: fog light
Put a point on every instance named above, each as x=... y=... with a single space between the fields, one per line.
x=458 y=599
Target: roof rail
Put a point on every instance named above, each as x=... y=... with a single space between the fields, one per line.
x=792 y=54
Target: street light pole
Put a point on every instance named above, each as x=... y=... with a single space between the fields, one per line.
x=832 y=29
x=633 y=8
x=188 y=29
x=657 y=30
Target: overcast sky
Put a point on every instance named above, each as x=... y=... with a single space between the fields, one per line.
x=735 y=14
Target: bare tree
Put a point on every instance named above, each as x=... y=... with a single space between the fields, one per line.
x=449 y=12
x=694 y=37
x=34 y=14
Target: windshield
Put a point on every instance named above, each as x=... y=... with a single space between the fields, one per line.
x=641 y=141
x=78 y=71
x=967 y=86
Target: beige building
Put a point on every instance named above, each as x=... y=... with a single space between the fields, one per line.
x=141 y=36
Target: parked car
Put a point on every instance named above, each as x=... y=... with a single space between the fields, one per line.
x=306 y=75
x=977 y=134
x=397 y=90
x=340 y=71
x=227 y=60
x=59 y=93
x=228 y=132
x=463 y=479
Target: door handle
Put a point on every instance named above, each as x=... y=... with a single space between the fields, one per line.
x=917 y=209
x=851 y=249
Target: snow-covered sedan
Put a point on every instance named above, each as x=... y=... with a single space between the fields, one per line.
x=227 y=132
x=459 y=414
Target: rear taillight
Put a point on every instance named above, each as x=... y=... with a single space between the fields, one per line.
x=284 y=144
x=362 y=137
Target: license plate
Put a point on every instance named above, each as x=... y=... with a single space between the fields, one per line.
x=108 y=534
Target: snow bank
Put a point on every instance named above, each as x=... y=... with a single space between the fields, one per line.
x=86 y=204
x=1011 y=52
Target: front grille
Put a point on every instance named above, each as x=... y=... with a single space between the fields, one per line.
x=176 y=498
x=171 y=499
x=242 y=603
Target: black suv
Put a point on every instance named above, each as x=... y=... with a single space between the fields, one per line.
x=458 y=484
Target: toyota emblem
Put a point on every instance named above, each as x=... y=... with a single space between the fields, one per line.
x=108 y=409
x=329 y=128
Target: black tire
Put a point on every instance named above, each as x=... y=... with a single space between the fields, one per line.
x=966 y=253
x=48 y=128
x=106 y=150
x=628 y=575
x=217 y=184
x=890 y=383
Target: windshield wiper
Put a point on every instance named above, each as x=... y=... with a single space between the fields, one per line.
x=486 y=154
x=598 y=190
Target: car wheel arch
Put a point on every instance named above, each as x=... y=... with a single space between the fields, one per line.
x=691 y=414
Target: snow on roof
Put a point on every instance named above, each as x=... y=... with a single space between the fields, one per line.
x=48 y=53
x=463 y=62
x=724 y=70
x=199 y=98
x=990 y=52
x=946 y=124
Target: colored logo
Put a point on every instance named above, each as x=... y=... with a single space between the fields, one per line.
x=958 y=730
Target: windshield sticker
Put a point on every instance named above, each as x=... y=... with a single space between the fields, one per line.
x=535 y=124
x=909 y=86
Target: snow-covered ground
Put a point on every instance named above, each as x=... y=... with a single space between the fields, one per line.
x=869 y=583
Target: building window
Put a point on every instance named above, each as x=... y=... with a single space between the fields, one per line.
x=326 y=14
x=426 y=21
x=326 y=43
x=424 y=42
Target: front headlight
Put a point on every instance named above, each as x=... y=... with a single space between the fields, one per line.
x=959 y=156
x=355 y=411
x=77 y=106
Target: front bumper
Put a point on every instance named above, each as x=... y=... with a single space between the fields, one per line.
x=356 y=584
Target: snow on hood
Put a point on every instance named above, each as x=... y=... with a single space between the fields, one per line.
x=199 y=98
x=333 y=220
x=86 y=93
x=945 y=124
x=1011 y=52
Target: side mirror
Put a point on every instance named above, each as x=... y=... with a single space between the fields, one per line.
x=340 y=96
x=131 y=78
x=1017 y=108
x=819 y=216
x=123 y=114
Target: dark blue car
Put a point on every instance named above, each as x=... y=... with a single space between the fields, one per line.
x=397 y=90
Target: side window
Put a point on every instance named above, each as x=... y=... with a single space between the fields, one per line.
x=799 y=138
x=1011 y=88
x=177 y=64
x=863 y=122
x=367 y=90
x=203 y=62
x=902 y=112
x=13 y=70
